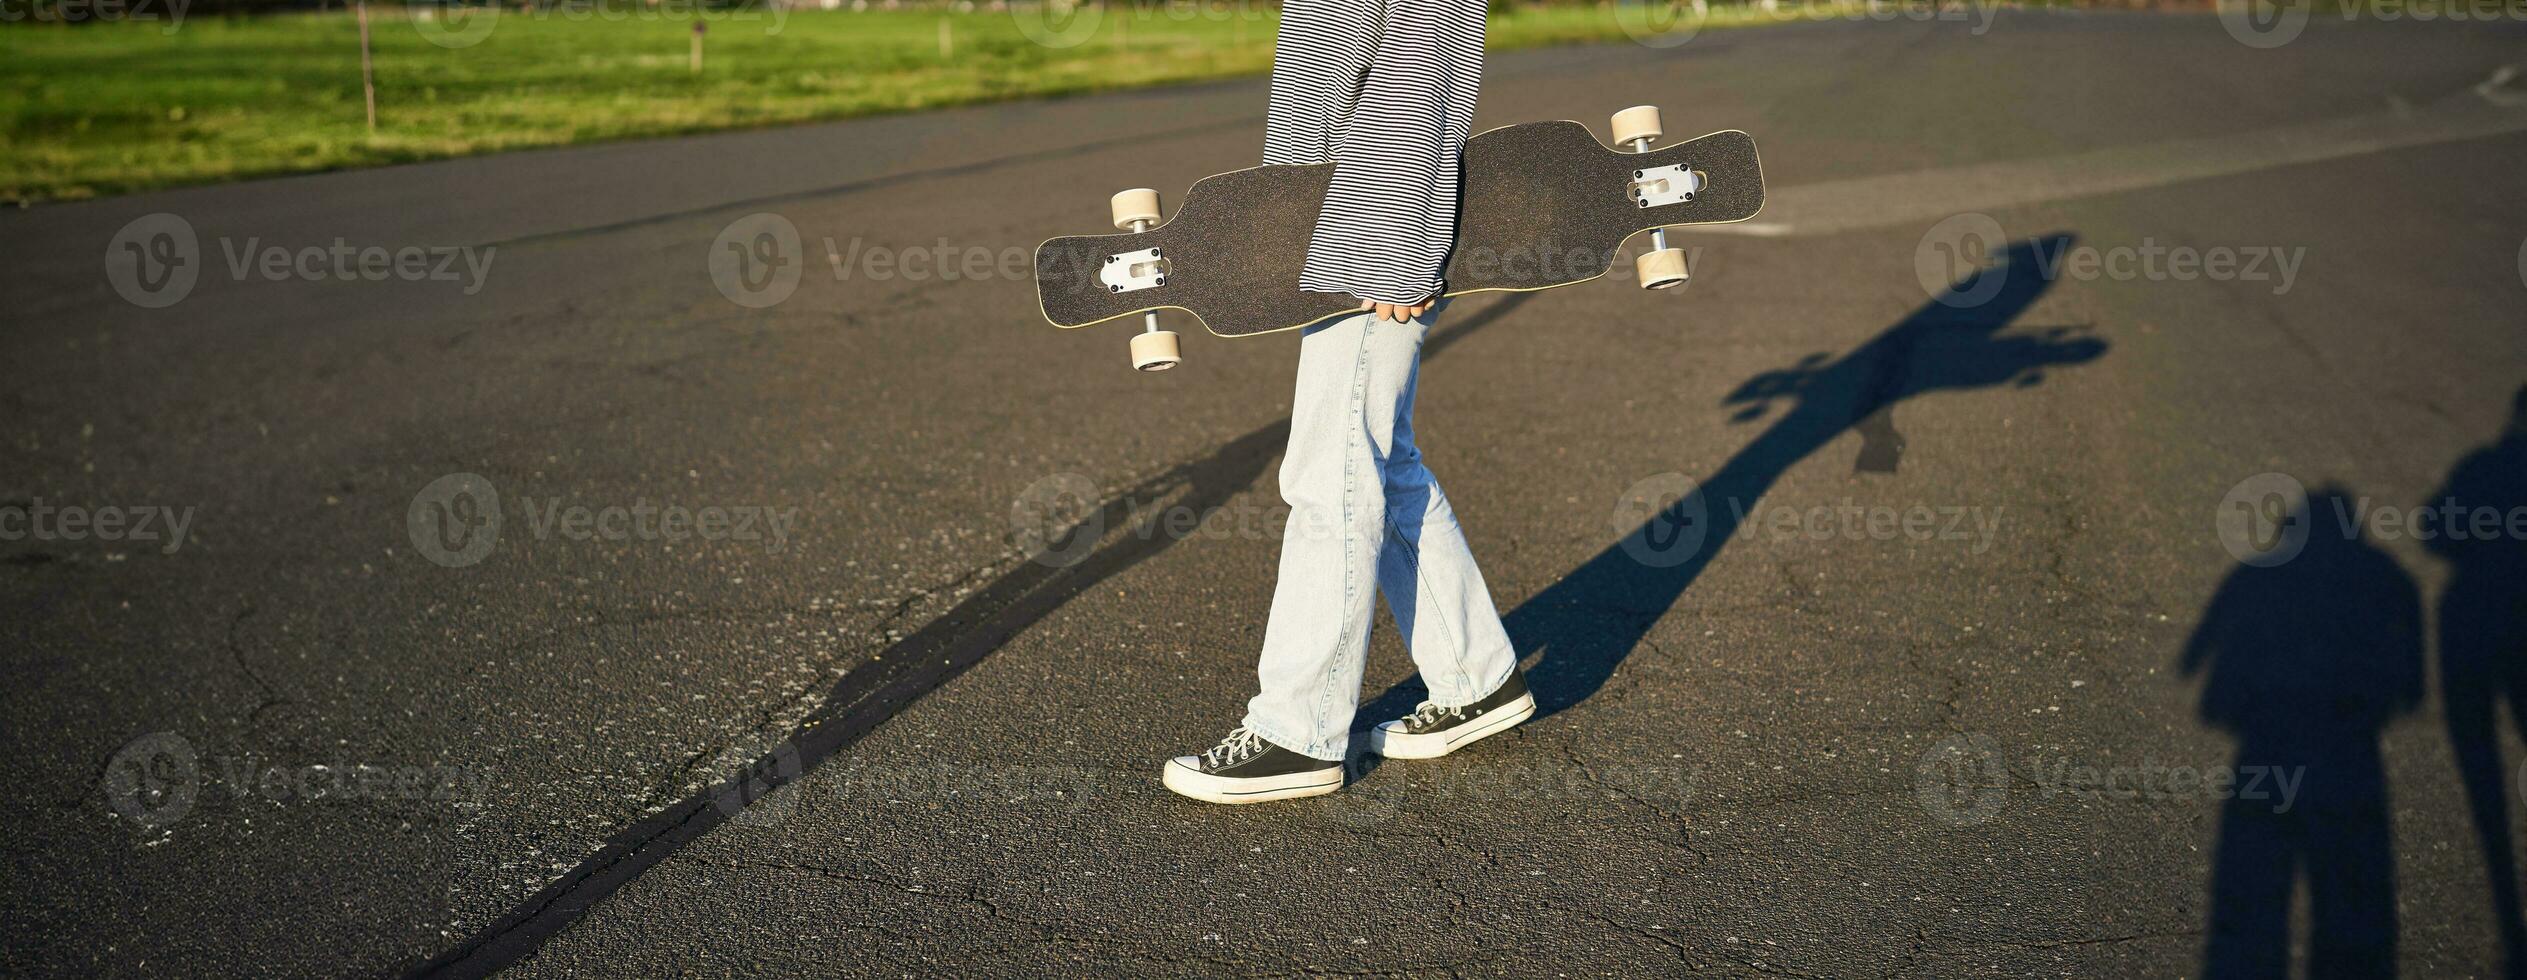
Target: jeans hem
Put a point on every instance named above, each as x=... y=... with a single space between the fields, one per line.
x=1489 y=691
x=1303 y=747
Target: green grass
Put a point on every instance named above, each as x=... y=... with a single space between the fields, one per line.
x=113 y=108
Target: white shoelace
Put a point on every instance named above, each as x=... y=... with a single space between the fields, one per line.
x=1428 y=713
x=1242 y=743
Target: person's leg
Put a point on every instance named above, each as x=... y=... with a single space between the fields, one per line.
x=1439 y=600
x=1353 y=378
x=1430 y=580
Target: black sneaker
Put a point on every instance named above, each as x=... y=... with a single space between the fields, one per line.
x=1244 y=768
x=1432 y=731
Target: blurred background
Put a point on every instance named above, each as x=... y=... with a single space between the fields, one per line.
x=113 y=96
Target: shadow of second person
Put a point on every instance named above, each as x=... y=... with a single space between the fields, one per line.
x=2483 y=647
x=2304 y=664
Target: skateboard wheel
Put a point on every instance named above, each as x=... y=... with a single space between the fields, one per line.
x=1155 y=351
x=1137 y=204
x=1637 y=123
x=1661 y=268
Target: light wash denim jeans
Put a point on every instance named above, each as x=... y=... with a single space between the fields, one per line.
x=1366 y=514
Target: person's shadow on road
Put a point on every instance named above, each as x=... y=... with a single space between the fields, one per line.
x=1587 y=623
x=2483 y=648
x=2305 y=661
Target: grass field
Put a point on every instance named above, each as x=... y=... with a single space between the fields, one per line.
x=112 y=108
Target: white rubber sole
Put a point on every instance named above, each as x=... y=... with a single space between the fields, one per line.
x=1185 y=780
x=1387 y=741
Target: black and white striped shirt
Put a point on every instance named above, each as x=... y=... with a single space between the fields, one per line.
x=1386 y=89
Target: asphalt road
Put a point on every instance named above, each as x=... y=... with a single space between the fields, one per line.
x=1952 y=667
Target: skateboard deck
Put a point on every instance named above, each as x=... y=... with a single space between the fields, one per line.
x=1545 y=204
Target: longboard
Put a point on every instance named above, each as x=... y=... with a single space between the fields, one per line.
x=1545 y=204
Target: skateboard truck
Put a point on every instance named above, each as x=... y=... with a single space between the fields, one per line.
x=1660 y=186
x=1135 y=211
x=1127 y=272
x=1661 y=266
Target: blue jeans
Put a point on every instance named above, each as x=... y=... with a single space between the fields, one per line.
x=1365 y=513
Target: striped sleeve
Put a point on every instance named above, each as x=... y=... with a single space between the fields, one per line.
x=1386 y=91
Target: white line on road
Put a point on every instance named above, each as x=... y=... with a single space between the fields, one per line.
x=1894 y=199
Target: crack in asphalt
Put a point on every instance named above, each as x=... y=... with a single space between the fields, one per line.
x=272 y=697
